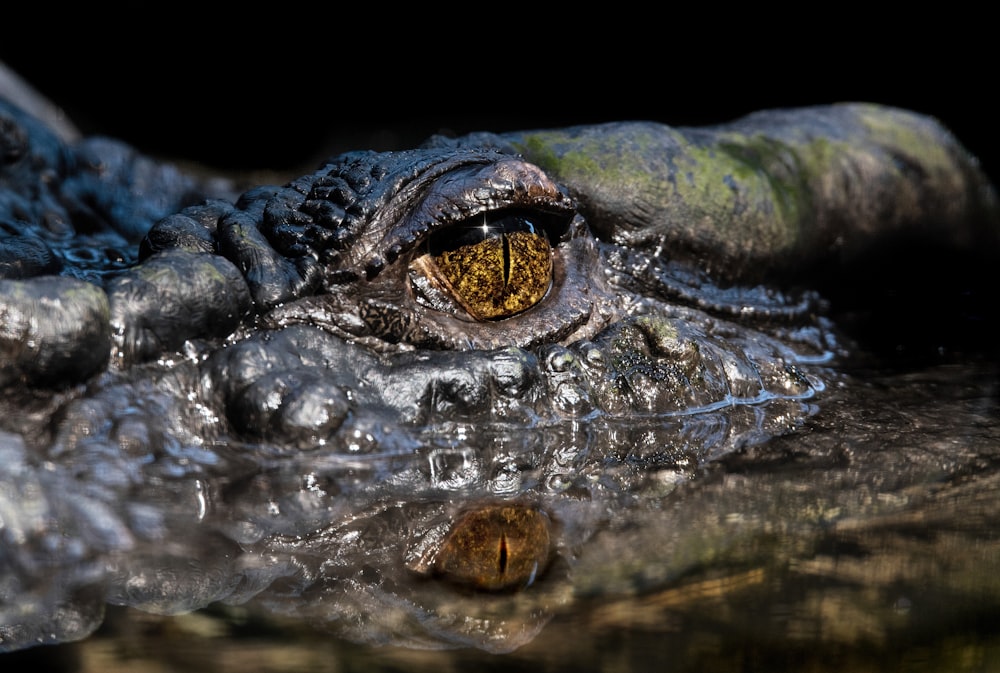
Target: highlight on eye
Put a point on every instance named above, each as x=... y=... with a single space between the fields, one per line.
x=494 y=267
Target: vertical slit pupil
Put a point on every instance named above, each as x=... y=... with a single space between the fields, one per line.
x=506 y=258
x=489 y=269
x=502 y=560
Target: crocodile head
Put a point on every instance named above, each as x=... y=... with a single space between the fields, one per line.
x=399 y=396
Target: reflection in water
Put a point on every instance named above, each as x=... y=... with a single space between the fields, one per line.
x=495 y=548
x=487 y=485
x=867 y=541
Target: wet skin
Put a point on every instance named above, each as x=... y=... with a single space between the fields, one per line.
x=409 y=379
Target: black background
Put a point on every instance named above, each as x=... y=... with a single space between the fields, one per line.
x=278 y=98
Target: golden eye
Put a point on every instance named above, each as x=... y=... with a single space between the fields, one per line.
x=495 y=548
x=494 y=268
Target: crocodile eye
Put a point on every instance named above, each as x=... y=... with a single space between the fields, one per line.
x=440 y=248
x=493 y=268
x=496 y=548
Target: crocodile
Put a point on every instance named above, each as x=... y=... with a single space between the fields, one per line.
x=435 y=396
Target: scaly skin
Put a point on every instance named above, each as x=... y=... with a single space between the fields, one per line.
x=272 y=390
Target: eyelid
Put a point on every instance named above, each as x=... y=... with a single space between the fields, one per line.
x=463 y=194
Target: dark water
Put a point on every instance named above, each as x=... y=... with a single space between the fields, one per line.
x=866 y=541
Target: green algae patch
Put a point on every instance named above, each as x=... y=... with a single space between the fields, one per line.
x=646 y=183
x=742 y=209
x=924 y=143
x=776 y=190
x=581 y=158
x=780 y=171
x=538 y=149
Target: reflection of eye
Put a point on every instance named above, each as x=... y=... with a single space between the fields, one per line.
x=497 y=547
x=493 y=268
